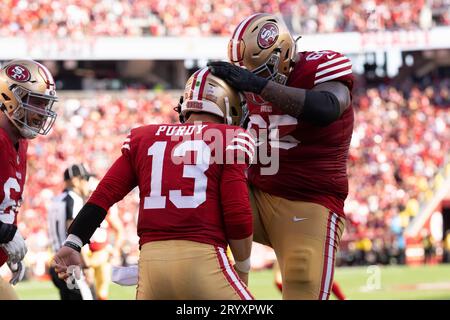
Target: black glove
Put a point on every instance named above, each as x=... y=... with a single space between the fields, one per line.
x=239 y=78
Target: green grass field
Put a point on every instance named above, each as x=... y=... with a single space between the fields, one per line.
x=429 y=282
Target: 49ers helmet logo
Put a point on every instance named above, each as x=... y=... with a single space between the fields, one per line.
x=268 y=35
x=18 y=73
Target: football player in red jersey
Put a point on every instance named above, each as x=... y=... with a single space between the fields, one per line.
x=193 y=199
x=27 y=94
x=300 y=101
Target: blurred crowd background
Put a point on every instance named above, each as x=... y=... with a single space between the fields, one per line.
x=399 y=153
x=82 y=18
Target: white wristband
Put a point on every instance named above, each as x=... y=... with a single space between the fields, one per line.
x=243 y=266
x=75 y=239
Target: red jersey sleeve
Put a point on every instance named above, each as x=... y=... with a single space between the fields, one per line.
x=331 y=66
x=317 y=67
x=235 y=202
x=237 y=212
x=119 y=180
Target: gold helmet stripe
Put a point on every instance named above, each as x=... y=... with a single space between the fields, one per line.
x=237 y=37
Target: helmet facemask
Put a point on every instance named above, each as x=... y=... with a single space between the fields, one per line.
x=269 y=69
x=33 y=114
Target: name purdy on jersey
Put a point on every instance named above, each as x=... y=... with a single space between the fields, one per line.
x=228 y=146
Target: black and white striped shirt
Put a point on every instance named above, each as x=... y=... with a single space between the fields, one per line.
x=63 y=207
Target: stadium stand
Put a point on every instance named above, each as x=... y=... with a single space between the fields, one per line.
x=83 y=18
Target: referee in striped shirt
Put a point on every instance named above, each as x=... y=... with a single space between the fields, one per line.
x=61 y=213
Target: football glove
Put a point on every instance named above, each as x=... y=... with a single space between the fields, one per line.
x=16 y=248
x=239 y=78
x=18 y=271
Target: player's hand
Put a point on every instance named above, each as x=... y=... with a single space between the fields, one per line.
x=243 y=276
x=239 y=78
x=16 y=248
x=18 y=271
x=66 y=261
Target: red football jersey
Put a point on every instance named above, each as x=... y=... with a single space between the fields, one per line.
x=188 y=187
x=312 y=160
x=13 y=172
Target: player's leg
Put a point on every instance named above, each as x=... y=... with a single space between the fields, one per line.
x=103 y=281
x=144 y=290
x=337 y=291
x=305 y=237
x=6 y=291
x=277 y=276
x=261 y=215
x=102 y=274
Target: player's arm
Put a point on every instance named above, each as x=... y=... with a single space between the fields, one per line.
x=236 y=202
x=321 y=105
x=237 y=216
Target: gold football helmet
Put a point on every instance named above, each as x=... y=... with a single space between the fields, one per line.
x=27 y=95
x=207 y=93
x=263 y=44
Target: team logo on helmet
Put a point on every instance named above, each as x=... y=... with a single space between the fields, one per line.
x=268 y=35
x=18 y=73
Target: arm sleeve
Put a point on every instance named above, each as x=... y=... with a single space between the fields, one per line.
x=235 y=202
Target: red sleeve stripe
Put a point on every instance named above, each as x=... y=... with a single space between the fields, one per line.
x=333 y=76
x=247 y=136
x=330 y=69
x=334 y=61
x=246 y=143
